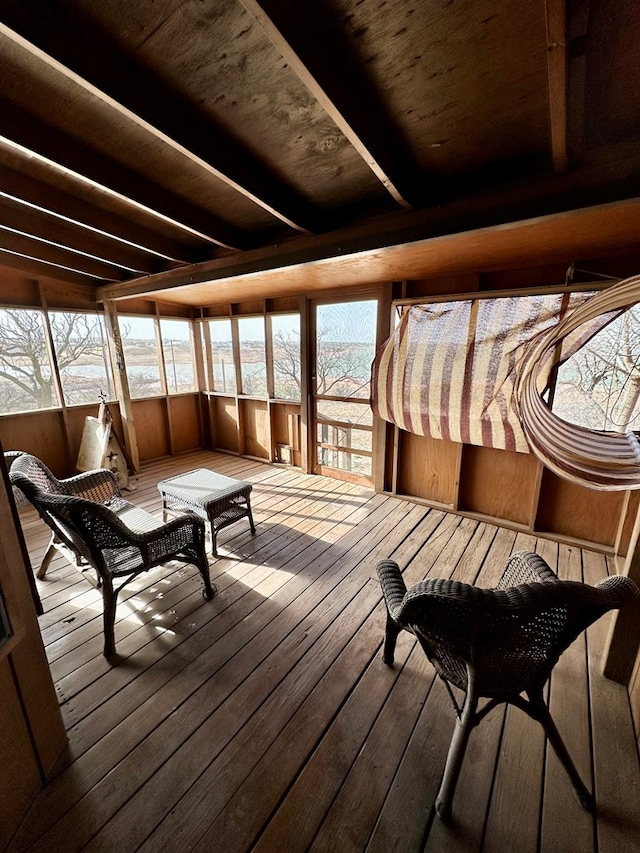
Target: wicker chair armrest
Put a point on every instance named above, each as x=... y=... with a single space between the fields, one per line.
x=619 y=590
x=393 y=586
x=98 y=485
x=186 y=531
x=526 y=567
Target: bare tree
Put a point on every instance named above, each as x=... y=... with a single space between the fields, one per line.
x=599 y=386
x=341 y=367
x=25 y=368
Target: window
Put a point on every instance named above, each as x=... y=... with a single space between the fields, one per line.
x=26 y=382
x=80 y=345
x=285 y=345
x=253 y=362
x=599 y=386
x=178 y=355
x=140 y=348
x=223 y=369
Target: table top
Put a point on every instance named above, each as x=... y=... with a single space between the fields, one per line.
x=202 y=486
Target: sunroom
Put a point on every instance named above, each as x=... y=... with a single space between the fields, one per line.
x=213 y=218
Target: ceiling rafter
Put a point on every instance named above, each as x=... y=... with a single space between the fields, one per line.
x=41 y=269
x=21 y=129
x=41 y=225
x=302 y=34
x=556 y=23
x=30 y=191
x=74 y=42
x=28 y=246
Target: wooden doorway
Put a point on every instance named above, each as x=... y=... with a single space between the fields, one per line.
x=343 y=344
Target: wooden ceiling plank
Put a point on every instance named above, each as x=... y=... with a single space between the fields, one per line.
x=318 y=53
x=73 y=41
x=19 y=186
x=556 y=21
x=41 y=268
x=31 y=222
x=21 y=129
x=48 y=253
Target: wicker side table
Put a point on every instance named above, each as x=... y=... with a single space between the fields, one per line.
x=218 y=499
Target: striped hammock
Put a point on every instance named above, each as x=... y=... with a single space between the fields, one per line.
x=475 y=371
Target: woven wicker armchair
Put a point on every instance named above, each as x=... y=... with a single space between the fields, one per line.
x=100 y=485
x=113 y=537
x=497 y=644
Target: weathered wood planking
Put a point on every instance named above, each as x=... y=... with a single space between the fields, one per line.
x=267 y=717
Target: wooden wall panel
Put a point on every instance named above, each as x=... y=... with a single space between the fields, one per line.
x=185 y=422
x=428 y=468
x=574 y=511
x=285 y=422
x=20 y=782
x=32 y=735
x=498 y=483
x=224 y=419
x=150 y=419
x=627 y=528
x=256 y=430
x=40 y=433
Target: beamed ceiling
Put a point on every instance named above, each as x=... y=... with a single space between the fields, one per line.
x=194 y=150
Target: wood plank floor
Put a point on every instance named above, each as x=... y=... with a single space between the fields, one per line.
x=265 y=720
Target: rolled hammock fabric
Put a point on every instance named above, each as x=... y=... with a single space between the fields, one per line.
x=600 y=460
x=482 y=377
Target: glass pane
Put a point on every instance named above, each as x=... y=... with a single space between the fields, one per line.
x=345 y=461
x=253 y=362
x=25 y=370
x=285 y=330
x=178 y=355
x=224 y=374
x=599 y=386
x=83 y=358
x=140 y=355
x=345 y=347
x=347 y=413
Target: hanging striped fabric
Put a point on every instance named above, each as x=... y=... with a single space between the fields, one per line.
x=475 y=371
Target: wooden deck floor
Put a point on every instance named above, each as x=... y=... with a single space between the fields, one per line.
x=265 y=719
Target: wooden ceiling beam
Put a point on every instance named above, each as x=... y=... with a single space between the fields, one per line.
x=51 y=254
x=93 y=217
x=320 y=55
x=556 y=21
x=72 y=40
x=35 y=223
x=41 y=269
x=75 y=158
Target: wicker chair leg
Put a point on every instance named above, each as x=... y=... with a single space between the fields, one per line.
x=203 y=567
x=464 y=725
x=110 y=599
x=46 y=560
x=253 y=527
x=390 y=636
x=540 y=712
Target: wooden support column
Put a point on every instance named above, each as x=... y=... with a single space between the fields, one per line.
x=122 y=385
x=624 y=634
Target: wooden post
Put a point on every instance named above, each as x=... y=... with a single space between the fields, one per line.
x=624 y=634
x=122 y=385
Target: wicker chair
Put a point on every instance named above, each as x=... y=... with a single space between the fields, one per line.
x=99 y=486
x=104 y=532
x=497 y=644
